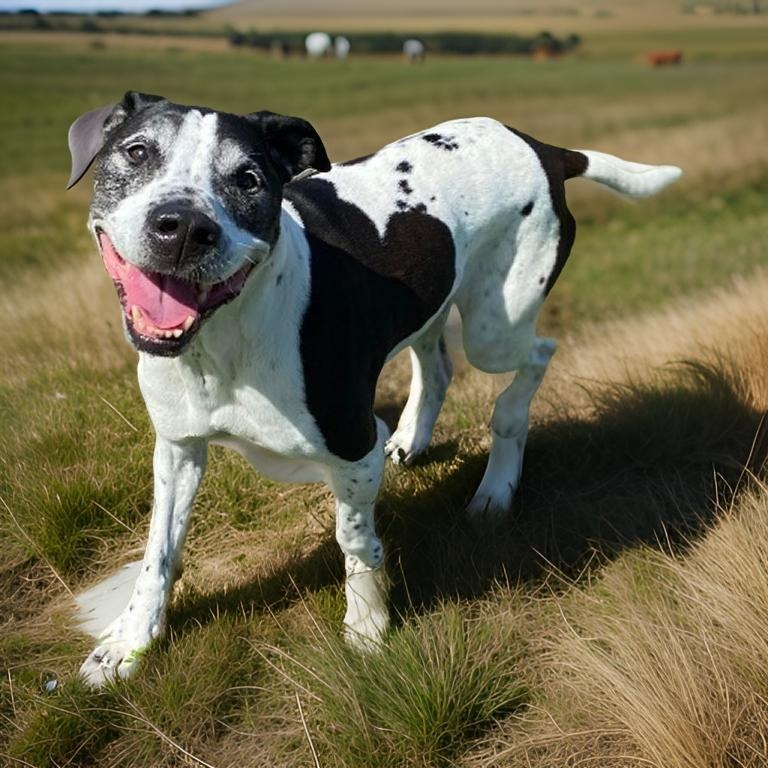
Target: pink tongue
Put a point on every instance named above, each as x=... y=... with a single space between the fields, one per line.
x=165 y=301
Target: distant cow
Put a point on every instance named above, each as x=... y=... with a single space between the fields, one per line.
x=413 y=50
x=663 y=58
x=342 y=46
x=318 y=44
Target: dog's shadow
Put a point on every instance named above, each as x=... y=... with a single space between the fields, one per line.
x=649 y=465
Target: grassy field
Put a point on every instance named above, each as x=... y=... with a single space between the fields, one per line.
x=617 y=619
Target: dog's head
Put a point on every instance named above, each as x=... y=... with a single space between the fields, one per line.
x=186 y=204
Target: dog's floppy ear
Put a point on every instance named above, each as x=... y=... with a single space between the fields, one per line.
x=86 y=134
x=293 y=143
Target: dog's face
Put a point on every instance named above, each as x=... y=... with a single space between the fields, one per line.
x=186 y=205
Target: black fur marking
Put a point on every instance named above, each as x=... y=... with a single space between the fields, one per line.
x=526 y=210
x=404 y=167
x=401 y=204
x=557 y=164
x=367 y=295
x=420 y=208
x=405 y=187
x=441 y=142
x=279 y=279
x=358 y=160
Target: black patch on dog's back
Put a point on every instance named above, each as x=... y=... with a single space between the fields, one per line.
x=553 y=160
x=368 y=293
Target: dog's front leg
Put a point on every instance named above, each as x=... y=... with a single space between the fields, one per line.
x=356 y=486
x=178 y=470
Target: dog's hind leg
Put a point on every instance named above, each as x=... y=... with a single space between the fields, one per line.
x=355 y=487
x=431 y=375
x=178 y=470
x=509 y=430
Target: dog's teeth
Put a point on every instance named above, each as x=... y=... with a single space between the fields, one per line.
x=177 y=333
x=135 y=314
x=188 y=323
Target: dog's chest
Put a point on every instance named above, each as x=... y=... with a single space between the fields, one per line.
x=257 y=400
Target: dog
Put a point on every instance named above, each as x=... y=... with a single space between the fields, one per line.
x=264 y=289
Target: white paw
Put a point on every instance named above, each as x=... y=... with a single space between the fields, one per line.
x=110 y=660
x=367 y=617
x=404 y=446
x=366 y=637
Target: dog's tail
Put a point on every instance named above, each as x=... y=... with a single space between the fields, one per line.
x=624 y=177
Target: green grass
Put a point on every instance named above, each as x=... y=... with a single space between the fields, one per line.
x=471 y=675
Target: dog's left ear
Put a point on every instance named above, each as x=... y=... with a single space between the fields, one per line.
x=86 y=134
x=293 y=144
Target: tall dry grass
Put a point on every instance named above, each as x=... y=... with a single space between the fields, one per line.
x=660 y=659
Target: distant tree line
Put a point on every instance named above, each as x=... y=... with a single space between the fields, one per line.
x=291 y=43
x=465 y=43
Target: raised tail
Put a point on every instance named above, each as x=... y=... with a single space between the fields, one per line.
x=623 y=176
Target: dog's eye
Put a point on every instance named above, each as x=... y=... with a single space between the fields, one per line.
x=137 y=153
x=248 y=180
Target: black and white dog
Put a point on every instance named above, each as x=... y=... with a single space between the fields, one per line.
x=264 y=306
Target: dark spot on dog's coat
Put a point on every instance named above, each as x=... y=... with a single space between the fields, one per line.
x=404 y=167
x=405 y=187
x=279 y=279
x=401 y=204
x=526 y=210
x=440 y=141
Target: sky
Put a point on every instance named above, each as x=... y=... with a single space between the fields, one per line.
x=91 y=6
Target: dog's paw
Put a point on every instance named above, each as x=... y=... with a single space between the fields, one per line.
x=404 y=446
x=110 y=660
x=367 y=618
x=366 y=641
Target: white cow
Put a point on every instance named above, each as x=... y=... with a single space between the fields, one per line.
x=413 y=50
x=342 y=47
x=317 y=44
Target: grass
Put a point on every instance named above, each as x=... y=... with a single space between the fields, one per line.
x=617 y=618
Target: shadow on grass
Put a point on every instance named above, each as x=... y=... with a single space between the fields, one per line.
x=649 y=466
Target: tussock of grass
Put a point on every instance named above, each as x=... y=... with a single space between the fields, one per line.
x=442 y=679
x=660 y=662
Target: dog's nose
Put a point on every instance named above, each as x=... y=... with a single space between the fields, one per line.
x=181 y=233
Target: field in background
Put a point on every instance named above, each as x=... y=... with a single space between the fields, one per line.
x=570 y=634
x=561 y=16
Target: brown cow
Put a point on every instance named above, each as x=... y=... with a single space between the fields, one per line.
x=663 y=58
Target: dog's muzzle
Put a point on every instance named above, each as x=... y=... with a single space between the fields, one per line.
x=162 y=311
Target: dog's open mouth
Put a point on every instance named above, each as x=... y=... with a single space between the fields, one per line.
x=162 y=312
